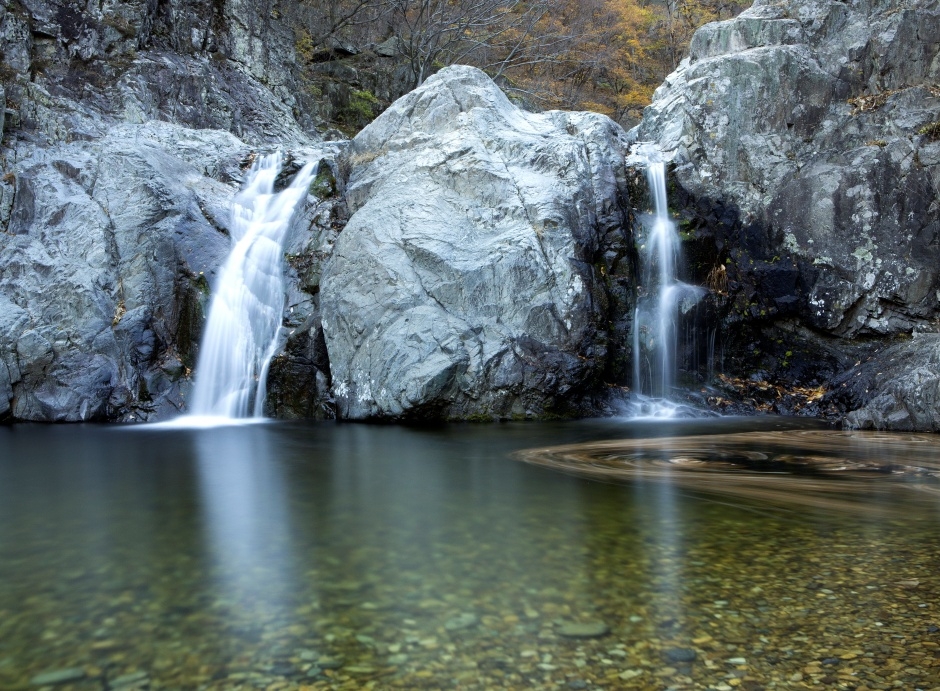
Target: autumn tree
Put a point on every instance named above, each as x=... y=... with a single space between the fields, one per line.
x=494 y=35
x=603 y=55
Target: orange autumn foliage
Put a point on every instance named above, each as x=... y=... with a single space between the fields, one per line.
x=603 y=55
x=616 y=52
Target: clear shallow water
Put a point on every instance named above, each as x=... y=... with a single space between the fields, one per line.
x=285 y=556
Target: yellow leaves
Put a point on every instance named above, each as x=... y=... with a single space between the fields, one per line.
x=603 y=55
x=764 y=395
x=608 y=55
x=868 y=103
x=603 y=108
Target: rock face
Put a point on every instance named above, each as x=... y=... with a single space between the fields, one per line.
x=467 y=282
x=70 y=71
x=807 y=159
x=118 y=158
x=103 y=271
x=897 y=388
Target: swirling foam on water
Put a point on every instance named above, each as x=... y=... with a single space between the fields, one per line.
x=820 y=469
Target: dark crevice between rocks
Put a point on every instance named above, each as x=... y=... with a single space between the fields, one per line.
x=193 y=299
x=299 y=378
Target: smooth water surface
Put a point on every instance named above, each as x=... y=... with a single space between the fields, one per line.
x=287 y=556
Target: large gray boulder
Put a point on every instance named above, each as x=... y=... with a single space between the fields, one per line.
x=466 y=283
x=802 y=142
x=109 y=249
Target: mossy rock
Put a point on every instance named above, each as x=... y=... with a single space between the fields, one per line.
x=324 y=185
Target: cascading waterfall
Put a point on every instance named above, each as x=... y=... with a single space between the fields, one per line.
x=662 y=252
x=246 y=310
x=657 y=311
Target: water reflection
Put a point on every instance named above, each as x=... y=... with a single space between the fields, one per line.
x=666 y=564
x=337 y=556
x=246 y=517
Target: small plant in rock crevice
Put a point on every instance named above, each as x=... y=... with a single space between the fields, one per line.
x=717 y=280
x=931 y=131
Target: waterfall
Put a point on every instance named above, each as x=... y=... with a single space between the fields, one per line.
x=661 y=296
x=662 y=249
x=246 y=310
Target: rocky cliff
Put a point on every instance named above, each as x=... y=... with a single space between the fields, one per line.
x=102 y=270
x=805 y=144
x=128 y=130
x=461 y=258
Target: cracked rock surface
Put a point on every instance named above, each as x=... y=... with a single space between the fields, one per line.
x=104 y=270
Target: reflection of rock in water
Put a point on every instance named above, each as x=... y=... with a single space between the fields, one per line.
x=856 y=471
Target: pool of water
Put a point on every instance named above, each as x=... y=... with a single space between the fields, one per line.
x=324 y=556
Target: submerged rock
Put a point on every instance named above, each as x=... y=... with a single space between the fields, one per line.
x=803 y=138
x=587 y=629
x=58 y=676
x=466 y=283
x=682 y=655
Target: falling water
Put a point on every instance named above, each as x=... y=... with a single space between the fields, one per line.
x=661 y=254
x=656 y=316
x=246 y=310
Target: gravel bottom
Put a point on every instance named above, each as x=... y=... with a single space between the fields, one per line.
x=512 y=578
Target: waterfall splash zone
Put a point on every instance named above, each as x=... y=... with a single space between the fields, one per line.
x=805 y=469
x=244 y=324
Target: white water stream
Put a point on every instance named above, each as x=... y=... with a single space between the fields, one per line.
x=246 y=310
x=657 y=311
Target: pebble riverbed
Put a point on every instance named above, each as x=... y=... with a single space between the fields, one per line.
x=282 y=556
